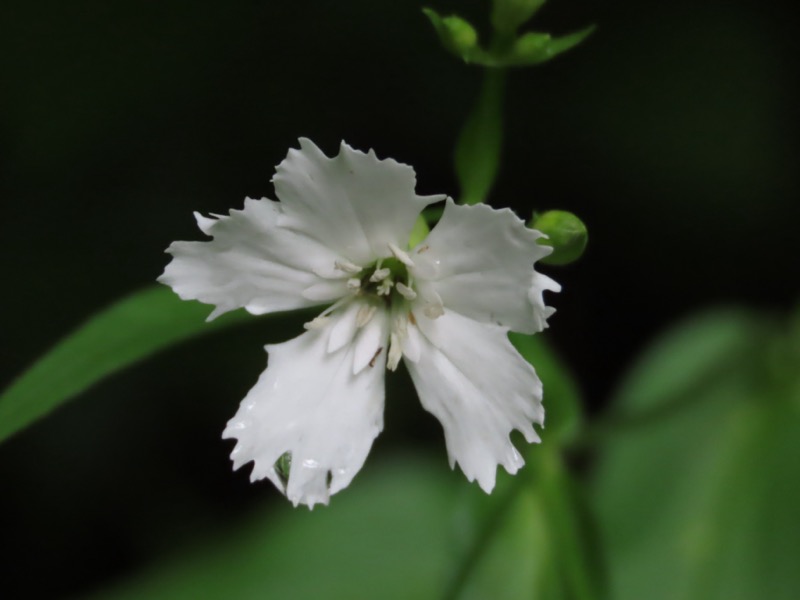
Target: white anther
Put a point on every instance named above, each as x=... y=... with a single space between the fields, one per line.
x=316 y=323
x=401 y=255
x=395 y=352
x=365 y=314
x=385 y=287
x=346 y=266
x=353 y=283
x=405 y=291
x=379 y=274
x=433 y=311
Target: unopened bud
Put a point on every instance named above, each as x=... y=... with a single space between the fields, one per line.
x=456 y=34
x=565 y=232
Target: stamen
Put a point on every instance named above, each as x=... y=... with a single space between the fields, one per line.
x=405 y=291
x=316 y=323
x=395 y=352
x=385 y=287
x=401 y=326
x=379 y=274
x=347 y=267
x=433 y=311
x=353 y=283
x=365 y=314
x=400 y=255
x=333 y=307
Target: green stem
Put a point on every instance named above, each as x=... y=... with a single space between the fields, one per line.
x=482 y=541
x=477 y=154
x=565 y=527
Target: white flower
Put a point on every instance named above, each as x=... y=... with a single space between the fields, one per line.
x=339 y=236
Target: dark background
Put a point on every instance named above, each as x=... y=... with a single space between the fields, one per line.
x=672 y=132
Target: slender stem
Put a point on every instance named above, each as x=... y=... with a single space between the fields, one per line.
x=477 y=154
x=481 y=543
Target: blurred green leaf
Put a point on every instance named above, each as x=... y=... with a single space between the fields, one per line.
x=113 y=339
x=535 y=48
x=387 y=537
x=701 y=502
x=508 y=15
x=419 y=232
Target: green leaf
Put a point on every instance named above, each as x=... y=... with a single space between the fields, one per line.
x=113 y=339
x=535 y=48
x=701 y=502
x=386 y=537
x=508 y=15
x=419 y=232
x=687 y=358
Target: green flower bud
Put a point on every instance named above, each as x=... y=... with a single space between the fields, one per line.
x=508 y=15
x=565 y=232
x=457 y=35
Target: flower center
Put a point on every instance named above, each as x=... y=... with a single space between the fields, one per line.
x=385 y=286
x=387 y=279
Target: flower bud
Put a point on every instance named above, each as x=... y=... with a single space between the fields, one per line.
x=565 y=232
x=457 y=35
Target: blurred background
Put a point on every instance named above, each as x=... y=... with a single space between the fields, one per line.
x=672 y=132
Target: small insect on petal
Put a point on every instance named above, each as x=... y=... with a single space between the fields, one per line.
x=283 y=466
x=375 y=357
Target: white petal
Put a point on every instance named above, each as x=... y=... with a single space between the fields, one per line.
x=251 y=262
x=343 y=328
x=480 y=262
x=412 y=344
x=539 y=284
x=371 y=341
x=308 y=403
x=473 y=380
x=354 y=203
